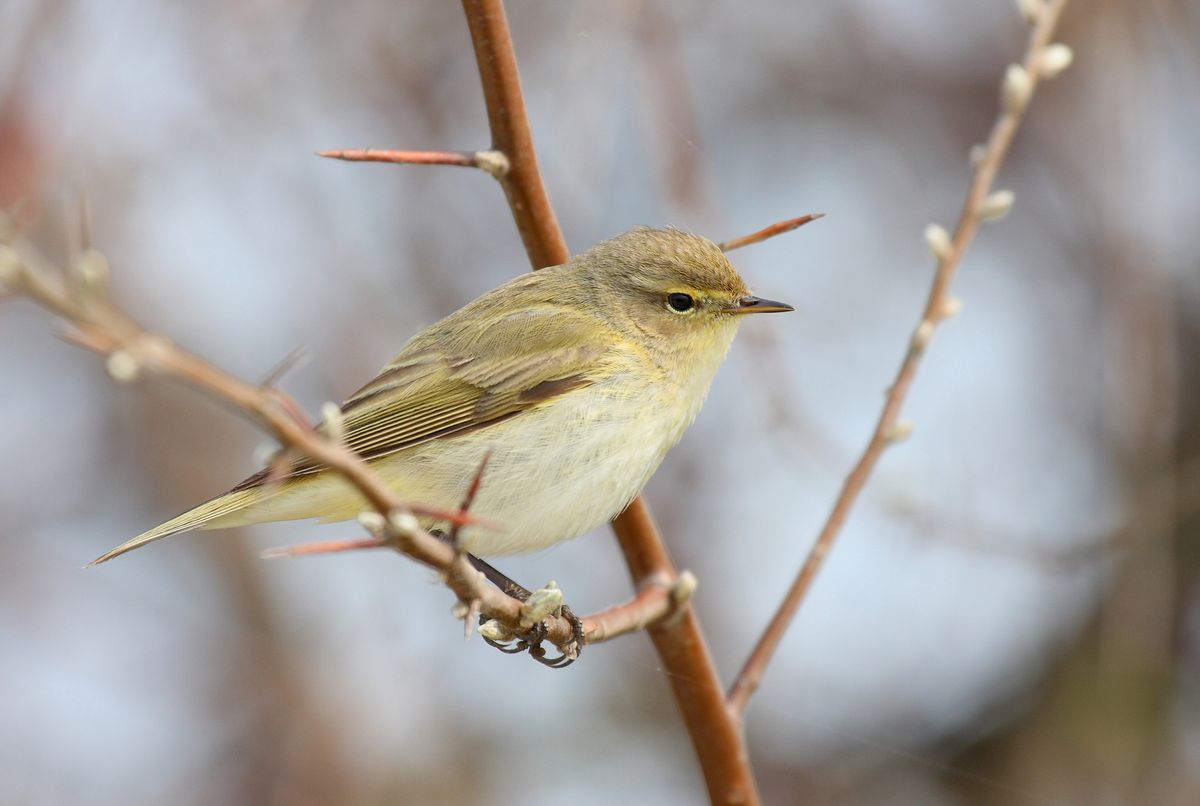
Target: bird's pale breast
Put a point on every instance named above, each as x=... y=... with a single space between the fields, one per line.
x=554 y=472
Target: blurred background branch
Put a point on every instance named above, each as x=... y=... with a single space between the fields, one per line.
x=1041 y=59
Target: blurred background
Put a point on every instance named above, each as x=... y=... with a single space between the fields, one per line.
x=1012 y=615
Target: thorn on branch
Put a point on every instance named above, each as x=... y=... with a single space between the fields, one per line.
x=490 y=161
x=321 y=547
x=468 y=613
x=290 y=362
x=768 y=232
x=469 y=499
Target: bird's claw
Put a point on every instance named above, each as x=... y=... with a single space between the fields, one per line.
x=532 y=640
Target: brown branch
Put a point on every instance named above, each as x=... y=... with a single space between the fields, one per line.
x=99 y=326
x=980 y=204
x=715 y=733
x=768 y=232
x=511 y=135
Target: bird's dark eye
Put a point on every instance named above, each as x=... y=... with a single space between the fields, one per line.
x=681 y=302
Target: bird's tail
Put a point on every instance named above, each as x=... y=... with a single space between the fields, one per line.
x=207 y=515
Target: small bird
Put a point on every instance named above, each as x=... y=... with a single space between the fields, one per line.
x=576 y=378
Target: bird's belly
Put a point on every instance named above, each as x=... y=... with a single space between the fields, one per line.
x=553 y=473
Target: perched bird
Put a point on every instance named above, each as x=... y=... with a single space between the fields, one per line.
x=577 y=378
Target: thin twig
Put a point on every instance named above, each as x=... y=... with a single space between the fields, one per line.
x=494 y=162
x=463 y=158
x=1020 y=82
x=289 y=362
x=322 y=547
x=716 y=736
x=768 y=232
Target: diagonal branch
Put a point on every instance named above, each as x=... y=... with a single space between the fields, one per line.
x=1040 y=60
x=96 y=324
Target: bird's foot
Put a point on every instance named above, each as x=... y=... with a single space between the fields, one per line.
x=539 y=604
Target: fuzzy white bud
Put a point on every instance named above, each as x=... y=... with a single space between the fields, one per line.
x=372 y=521
x=1017 y=88
x=951 y=308
x=122 y=366
x=976 y=155
x=684 y=588
x=900 y=431
x=334 y=420
x=938 y=241
x=1054 y=59
x=922 y=335
x=493 y=162
x=404 y=523
x=1030 y=10
x=541 y=603
x=495 y=631
x=996 y=205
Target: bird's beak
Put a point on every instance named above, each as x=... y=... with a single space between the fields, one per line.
x=758 y=305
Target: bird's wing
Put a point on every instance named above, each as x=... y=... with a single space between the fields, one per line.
x=516 y=364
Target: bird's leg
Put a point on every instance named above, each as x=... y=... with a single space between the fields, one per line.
x=499 y=579
x=530 y=641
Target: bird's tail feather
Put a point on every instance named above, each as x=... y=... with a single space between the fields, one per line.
x=200 y=517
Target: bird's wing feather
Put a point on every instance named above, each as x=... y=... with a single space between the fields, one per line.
x=516 y=364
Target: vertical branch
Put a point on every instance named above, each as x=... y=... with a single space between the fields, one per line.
x=714 y=731
x=511 y=134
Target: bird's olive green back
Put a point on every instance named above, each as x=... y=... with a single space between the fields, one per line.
x=519 y=362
